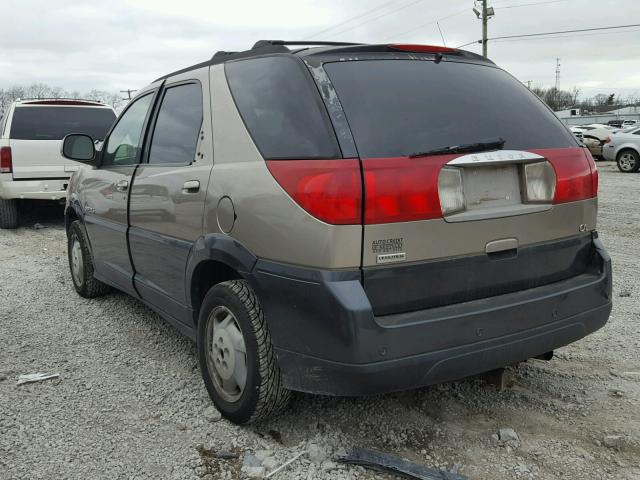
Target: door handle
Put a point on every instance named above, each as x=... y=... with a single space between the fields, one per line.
x=191 y=186
x=122 y=185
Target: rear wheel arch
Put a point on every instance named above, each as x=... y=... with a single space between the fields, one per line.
x=215 y=258
x=205 y=275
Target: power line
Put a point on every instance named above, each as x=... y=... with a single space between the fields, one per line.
x=533 y=3
x=553 y=33
x=567 y=36
x=374 y=18
x=422 y=25
x=364 y=14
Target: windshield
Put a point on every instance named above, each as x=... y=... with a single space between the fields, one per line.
x=398 y=107
x=53 y=123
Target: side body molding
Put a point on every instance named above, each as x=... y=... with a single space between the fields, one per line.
x=221 y=248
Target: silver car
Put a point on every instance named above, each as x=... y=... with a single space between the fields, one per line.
x=347 y=220
x=623 y=148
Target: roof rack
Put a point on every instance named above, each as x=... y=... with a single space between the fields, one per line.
x=59 y=99
x=262 y=43
x=275 y=46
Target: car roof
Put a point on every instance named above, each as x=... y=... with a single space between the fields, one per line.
x=310 y=48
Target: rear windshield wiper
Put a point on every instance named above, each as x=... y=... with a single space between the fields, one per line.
x=489 y=144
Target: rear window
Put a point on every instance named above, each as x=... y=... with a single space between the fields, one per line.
x=400 y=107
x=281 y=108
x=53 y=123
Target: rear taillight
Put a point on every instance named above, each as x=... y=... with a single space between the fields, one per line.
x=607 y=140
x=450 y=190
x=594 y=171
x=576 y=175
x=540 y=182
x=330 y=190
x=402 y=189
x=6 y=163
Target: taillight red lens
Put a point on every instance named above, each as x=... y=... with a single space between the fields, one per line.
x=576 y=177
x=594 y=171
x=402 y=189
x=330 y=190
x=6 y=163
x=408 y=47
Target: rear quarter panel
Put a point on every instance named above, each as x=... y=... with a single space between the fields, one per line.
x=268 y=222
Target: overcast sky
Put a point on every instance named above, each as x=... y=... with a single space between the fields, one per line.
x=119 y=44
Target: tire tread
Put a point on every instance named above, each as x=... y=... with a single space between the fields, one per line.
x=8 y=213
x=91 y=287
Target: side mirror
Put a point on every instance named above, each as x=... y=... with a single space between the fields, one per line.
x=78 y=147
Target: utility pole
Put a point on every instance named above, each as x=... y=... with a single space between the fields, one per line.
x=557 y=74
x=485 y=14
x=529 y=84
x=484 y=28
x=128 y=92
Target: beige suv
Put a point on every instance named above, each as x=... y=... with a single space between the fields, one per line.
x=345 y=220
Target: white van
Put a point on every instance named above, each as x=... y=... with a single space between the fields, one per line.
x=31 y=166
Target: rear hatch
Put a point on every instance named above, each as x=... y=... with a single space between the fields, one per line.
x=37 y=129
x=471 y=186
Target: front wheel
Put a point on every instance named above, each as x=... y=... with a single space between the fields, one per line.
x=237 y=360
x=81 y=264
x=628 y=161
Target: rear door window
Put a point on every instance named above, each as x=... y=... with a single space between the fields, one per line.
x=53 y=123
x=282 y=109
x=401 y=107
x=175 y=136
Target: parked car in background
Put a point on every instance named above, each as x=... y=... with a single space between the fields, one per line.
x=31 y=165
x=391 y=240
x=629 y=124
x=615 y=123
x=624 y=148
x=577 y=132
x=594 y=138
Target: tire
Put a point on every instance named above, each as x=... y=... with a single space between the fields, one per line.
x=81 y=264
x=8 y=213
x=231 y=320
x=628 y=161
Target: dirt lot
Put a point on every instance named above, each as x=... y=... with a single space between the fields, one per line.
x=130 y=403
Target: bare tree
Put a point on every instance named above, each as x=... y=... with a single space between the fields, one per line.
x=41 y=90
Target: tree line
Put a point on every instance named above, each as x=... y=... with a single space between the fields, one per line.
x=558 y=99
x=41 y=90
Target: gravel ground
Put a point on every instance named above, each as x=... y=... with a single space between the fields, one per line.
x=130 y=402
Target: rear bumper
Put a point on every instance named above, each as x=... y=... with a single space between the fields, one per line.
x=322 y=376
x=328 y=340
x=54 y=189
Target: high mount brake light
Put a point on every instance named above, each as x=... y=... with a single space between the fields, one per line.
x=6 y=162
x=406 y=47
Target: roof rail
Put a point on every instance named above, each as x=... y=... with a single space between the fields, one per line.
x=262 y=43
x=51 y=99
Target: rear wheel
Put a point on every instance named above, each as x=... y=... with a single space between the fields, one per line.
x=8 y=213
x=628 y=161
x=81 y=264
x=236 y=357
